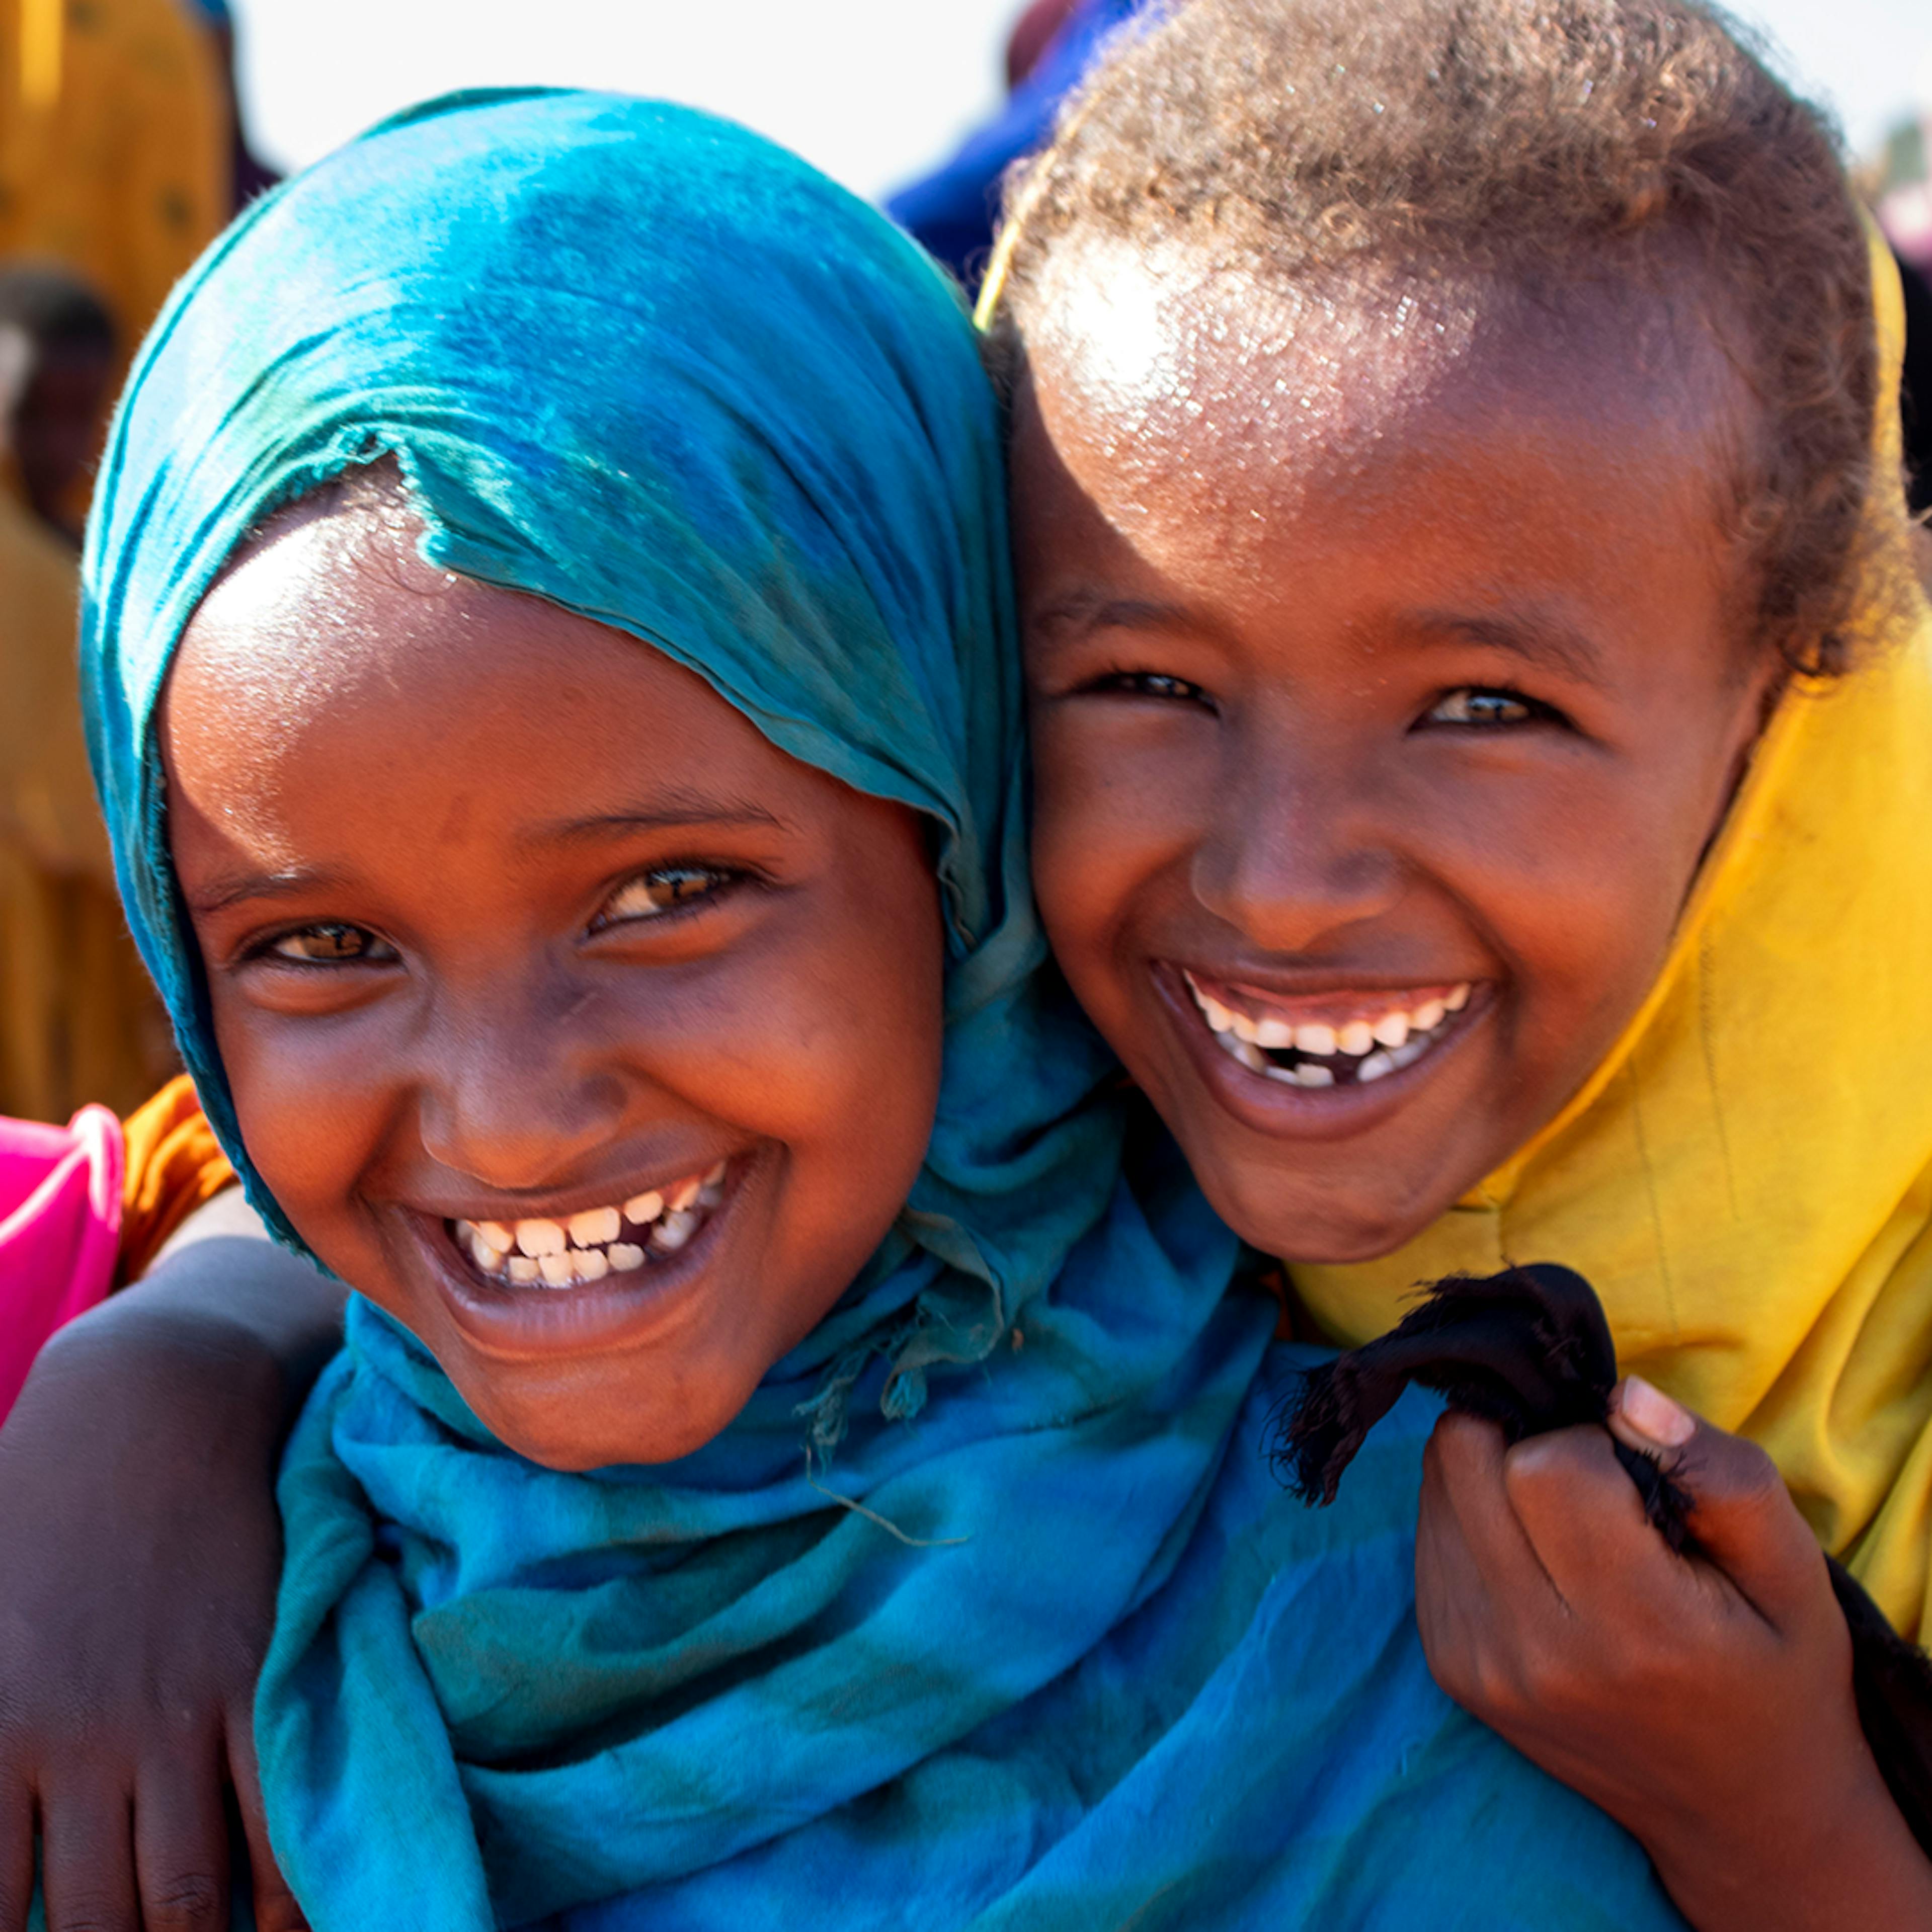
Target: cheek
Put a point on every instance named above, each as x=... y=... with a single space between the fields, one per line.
x=1577 y=875
x=312 y=1099
x=827 y=1041
x=1118 y=798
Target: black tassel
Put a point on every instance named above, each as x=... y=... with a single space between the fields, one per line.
x=1529 y=1349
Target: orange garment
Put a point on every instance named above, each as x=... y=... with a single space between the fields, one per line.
x=174 y=1165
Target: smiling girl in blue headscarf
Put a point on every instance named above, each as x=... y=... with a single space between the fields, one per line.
x=548 y=657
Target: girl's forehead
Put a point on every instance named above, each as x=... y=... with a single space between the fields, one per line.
x=1166 y=364
x=334 y=658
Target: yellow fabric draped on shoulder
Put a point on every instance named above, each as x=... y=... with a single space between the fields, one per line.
x=1747 y=1178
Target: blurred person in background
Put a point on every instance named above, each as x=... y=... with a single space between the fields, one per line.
x=953 y=210
x=117 y=167
x=252 y=175
x=62 y=339
x=115 y=154
x=1916 y=386
x=78 y=1020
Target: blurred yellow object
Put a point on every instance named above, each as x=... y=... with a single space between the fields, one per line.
x=114 y=163
x=115 y=146
x=78 y=1020
x=41 y=35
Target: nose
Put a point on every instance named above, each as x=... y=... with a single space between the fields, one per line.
x=514 y=1091
x=1294 y=849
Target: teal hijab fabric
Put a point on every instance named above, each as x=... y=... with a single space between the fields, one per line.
x=1034 y=1645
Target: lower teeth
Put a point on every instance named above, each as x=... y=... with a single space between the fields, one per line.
x=671 y=1229
x=1303 y=1071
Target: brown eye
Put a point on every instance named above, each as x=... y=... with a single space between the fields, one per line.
x=331 y=944
x=1149 y=684
x=663 y=888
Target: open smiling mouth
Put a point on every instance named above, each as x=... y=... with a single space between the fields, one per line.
x=576 y=1249
x=1333 y=1051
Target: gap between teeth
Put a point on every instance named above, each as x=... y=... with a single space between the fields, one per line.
x=585 y=1247
x=1379 y=1048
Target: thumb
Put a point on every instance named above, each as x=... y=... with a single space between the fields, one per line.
x=1742 y=1516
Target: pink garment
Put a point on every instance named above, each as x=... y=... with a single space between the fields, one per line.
x=60 y=1230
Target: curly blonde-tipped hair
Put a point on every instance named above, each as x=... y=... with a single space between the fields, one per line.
x=1535 y=139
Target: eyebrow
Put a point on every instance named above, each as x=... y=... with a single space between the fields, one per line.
x=1082 y=611
x=671 y=812
x=228 y=889
x=1537 y=637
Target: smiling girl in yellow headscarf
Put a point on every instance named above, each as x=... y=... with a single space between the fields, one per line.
x=1483 y=738
x=1557 y=313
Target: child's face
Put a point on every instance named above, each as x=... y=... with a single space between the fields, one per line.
x=1384 y=698
x=584 y=1030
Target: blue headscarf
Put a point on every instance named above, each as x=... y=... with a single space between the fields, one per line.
x=1046 y=1654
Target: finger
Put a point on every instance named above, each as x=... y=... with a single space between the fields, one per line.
x=180 y=1846
x=1585 y=1519
x=16 y=1855
x=87 y=1850
x=1454 y=1610
x=275 y=1907
x=1741 y=1515
x=1465 y=1456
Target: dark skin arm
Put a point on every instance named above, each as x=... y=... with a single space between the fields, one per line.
x=1704 y=1701
x=137 y=1591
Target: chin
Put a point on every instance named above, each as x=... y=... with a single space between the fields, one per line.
x=1307 y=1221
x=579 y=1430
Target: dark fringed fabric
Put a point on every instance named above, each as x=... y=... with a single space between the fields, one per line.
x=1529 y=1349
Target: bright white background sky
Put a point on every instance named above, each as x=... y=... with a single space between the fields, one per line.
x=871 y=90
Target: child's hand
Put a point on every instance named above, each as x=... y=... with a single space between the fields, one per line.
x=1704 y=1701
x=139 y=1549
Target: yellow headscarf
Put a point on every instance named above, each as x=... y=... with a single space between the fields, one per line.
x=1747 y=1178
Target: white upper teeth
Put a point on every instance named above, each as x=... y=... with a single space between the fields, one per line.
x=1379 y=1046
x=586 y=1247
x=541 y=1237
x=598 y=1225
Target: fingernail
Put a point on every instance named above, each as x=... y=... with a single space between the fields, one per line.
x=1650 y=1412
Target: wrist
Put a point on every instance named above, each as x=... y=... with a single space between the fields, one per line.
x=1829 y=1850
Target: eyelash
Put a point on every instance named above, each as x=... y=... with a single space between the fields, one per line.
x=1155 y=684
x=1534 y=710
x=693 y=884
x=376 y=952
x=715 y=880
x=1164 y=687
